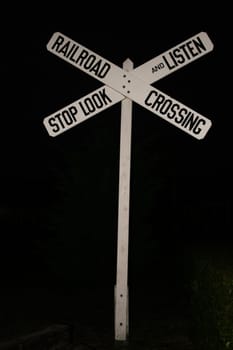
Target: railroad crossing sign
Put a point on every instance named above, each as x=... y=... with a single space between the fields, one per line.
x=133 y=85
x=127 y=85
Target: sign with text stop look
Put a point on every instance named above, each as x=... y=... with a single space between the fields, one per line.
x=127 y=85
x=133 y=85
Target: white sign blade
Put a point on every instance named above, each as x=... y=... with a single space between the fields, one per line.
x=167 y=108
x=175 y=58
x=83 y=58
x=81 y=110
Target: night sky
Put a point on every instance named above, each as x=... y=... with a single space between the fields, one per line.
x=59 y=196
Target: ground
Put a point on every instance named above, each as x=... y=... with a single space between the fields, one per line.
x=158 y=317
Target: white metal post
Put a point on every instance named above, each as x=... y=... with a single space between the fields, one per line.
x=121 y=288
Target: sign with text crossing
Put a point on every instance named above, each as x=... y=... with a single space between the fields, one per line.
x=134 y=85
x=127 y=85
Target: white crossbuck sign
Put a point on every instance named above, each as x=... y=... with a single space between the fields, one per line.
x=127 y=85
x=133 y=85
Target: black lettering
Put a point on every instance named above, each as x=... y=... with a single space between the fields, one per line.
x=105 y=69
x=199 y=44
x=167 y=62
x=159 y=100
x=81 y=57
x=192 y=49
x=64 y=48
x=180 y=117
x=147 y=100
x=58 y=43
x=85 y=111
x=72 y=58
x=106 y=99
x=97 y=101
x=89 y=62
x=53 y=124
x=58 y=116
x=173 y=109
x=95 y=68
x=190 y=121
x=178 y=55
x=183 y=47
x=165 y=107
x=67 y=117
x=89 y=104
x=196 y=128
x=73 y=111
x=73 y=49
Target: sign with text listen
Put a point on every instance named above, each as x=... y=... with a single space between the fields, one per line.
x=121 y=84
x=175 y=58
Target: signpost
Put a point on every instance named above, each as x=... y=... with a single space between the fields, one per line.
x=127 y=85
x=121 y=289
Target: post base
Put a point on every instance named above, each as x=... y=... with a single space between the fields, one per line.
x=121 y=344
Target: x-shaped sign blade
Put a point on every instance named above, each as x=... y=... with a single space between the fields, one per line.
x=120 y=84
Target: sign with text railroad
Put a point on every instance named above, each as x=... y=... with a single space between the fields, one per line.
x=134 y=85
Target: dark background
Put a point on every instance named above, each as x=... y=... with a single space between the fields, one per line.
x=59 y=196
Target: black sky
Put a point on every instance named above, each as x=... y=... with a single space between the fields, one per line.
x=170 y=169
